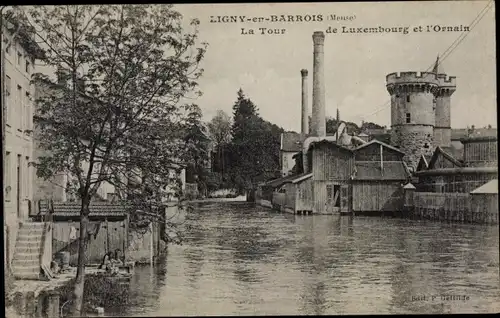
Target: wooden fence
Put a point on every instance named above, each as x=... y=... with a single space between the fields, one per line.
x=458 y=207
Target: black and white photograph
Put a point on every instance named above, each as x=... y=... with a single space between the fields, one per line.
x=249 y=159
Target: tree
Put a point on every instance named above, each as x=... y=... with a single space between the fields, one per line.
x=220 y=132
x=255 y=145
x=197 y=144
x=220 y=128
x=332 y=125
x=370 y=125
x=115 y=114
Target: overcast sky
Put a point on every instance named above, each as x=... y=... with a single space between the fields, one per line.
x=267 y=67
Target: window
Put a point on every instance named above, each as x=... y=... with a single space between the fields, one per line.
x=20 y=103
x=27 y=66
x=27 y=182
x=408 y=118
x=7 y=93
x=27 y=112
x=19 y=58
x=7 y=172
x=7 y=85
x=408 y=98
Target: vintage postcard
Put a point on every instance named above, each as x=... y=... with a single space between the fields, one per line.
x=250 y=159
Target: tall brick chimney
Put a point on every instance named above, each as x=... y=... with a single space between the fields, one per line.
x=318 y=125
x=305 y=118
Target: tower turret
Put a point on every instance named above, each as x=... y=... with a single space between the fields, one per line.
x=447 y=86
x=412 y=113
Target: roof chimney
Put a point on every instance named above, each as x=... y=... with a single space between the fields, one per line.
x=318 y=108
x=305 y=119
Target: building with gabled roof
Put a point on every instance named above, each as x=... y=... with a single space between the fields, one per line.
x=446 y=173
x=379 y=174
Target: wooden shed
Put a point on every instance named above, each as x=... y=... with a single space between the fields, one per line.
x=484 y=203
x=481 y=151
x=377 y=183
x=298 y=193
x=332 y=168
x=108 y=227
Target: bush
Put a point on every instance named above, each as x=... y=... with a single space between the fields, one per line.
x=99 y=291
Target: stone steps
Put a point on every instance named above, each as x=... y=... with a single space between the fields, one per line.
x=26 y=260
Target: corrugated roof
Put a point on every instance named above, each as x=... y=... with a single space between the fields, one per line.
x=371 y=170
x=292 y=141
x=490 y=187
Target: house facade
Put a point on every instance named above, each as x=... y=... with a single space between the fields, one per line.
x=291 y=144
x=446 y=173
x=19 y=62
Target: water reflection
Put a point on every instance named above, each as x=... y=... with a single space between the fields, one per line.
x=246 y=260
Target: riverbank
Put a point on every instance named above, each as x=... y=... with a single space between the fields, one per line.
x=29 y=298
x=241 y=198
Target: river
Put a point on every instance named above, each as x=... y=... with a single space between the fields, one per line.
x=241 y=259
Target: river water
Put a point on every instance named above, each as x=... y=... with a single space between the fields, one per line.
x=241 y=259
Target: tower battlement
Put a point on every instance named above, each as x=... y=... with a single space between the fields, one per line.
x=412 y=78
x=447 y=81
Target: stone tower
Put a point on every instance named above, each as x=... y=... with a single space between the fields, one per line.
x=412 y=113
x=447 y=86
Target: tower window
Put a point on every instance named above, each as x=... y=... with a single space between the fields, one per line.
x=407 y=98
x=408 y=118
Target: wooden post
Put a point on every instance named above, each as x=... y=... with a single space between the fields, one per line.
x=151 y=244
x=52 y=309
x=125 y=239
x=107 y=236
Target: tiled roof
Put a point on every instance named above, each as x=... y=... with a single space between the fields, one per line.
x=490 y=187
x=292 y=141
x=371 y=170
x=97 y=209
